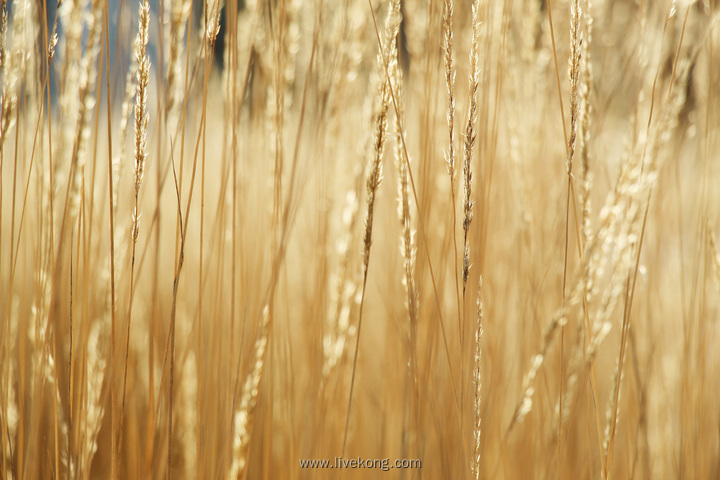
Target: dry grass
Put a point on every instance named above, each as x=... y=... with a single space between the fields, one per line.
x=187 y=301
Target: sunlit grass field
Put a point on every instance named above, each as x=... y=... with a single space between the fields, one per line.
x=478 y=238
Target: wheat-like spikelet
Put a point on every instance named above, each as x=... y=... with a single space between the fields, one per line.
x=53 y=40
x=380 y=121
x=5 y=103
x=130 y=90
x=141 y=112
x=343 y=291
x=59 y=418
x=470 y=134
x=346 y=39
x=14 y=62
x=525 y=403
x=71 y=23
x=611 y=417
x=574 y=76
x=633 y=194
x=85 y=101
x=180 y=12
x=213 y=26
x=9 y=400
x=38 y=328
x=89 y=64
x=477 y=379
x=238 y=55
x=528 y=389
x=94 y=410
x=569 y=392
x=343 y=280
x=39 y=324
x=3 y=33
x=291 y=42
x=449 y=64
x=34 y=64
x=407 y=240
x=245 y=412
x=585 y=123
x=207 y=27
x=611 y=250
x=614 y=244
x=407 y=246
x=618 y=241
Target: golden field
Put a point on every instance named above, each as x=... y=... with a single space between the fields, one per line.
x=478 y=238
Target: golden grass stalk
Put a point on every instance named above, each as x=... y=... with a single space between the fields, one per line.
x=653 y=154
x=140 y=155
x=470 y=135
x=408 y=254
x=112 y=200
x=449 y=64
x=374 y=174
x=212 y=31
x=449 y=60
x=243 y=419
x=407 y=240
x=208 y=37
x=275 y=110
x=141 y=113
x=477 y=380
x=574 y=76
